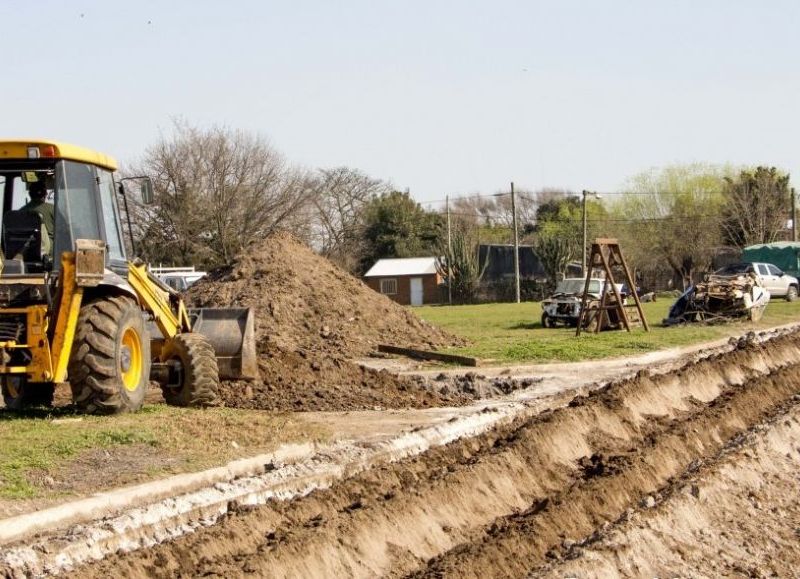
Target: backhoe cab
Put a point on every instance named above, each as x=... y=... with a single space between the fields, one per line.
x=74 y=308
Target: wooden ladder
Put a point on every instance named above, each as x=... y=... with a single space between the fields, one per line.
x=607 y=254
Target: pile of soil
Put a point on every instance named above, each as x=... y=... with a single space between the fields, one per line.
x=312 y=319
x=304 y=301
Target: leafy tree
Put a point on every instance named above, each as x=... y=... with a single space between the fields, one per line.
x=558 y=237
x=397 y=226
x=756 y=206
x=340 y=196
x=560 y=207
x=670 y=220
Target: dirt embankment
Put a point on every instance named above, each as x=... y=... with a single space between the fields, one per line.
x=550 y=493
x=312 y=319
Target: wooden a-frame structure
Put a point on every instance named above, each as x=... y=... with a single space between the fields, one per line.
x=606 y=255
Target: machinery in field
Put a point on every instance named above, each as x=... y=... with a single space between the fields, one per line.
x=74 y=308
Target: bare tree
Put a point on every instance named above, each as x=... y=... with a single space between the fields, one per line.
x=473 y=210
x=495 y=210
x=217 y=190
x=339 y=197
x=526 y=209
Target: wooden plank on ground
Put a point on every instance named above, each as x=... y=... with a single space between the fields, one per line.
x=428 y=355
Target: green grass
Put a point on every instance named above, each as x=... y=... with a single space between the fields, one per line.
x=46 y=442
x=512 y=333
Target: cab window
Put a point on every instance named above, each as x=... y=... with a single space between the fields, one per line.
x=76 y=206
x=18 y=192
x=774 y=270
x=14 y=191
x=110 y=215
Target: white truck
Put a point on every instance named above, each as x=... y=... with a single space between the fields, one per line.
x=564 y=306
x=178 y=278
x=775 y=281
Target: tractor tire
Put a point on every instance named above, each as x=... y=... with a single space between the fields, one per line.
x=27 y=394
x=791 y=293
x=109 y=368
x=199 y=374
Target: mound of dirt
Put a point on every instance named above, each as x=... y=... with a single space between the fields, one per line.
x=312 y=319
x=303 y=301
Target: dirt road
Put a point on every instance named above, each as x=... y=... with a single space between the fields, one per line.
x=692 y=472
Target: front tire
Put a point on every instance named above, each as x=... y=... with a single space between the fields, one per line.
x=791 y=294
x=593 y=323
x=198 y=374
x=547 y=321
x=109 y=369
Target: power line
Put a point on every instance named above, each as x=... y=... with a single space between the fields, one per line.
x=484 y=217
x=577 y=195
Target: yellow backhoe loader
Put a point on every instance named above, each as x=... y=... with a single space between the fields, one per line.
x=74 y=308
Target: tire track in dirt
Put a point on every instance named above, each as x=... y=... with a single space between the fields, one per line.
x=501 y=503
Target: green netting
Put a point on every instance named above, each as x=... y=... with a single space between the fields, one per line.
x=784 y=254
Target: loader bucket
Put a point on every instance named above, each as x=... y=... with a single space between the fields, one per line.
x=232 y=333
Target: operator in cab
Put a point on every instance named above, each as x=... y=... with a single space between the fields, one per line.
x=38 y=204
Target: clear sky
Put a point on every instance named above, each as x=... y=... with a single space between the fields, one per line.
x=437 y=96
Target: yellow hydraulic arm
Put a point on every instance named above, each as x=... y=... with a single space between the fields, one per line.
x=157 y=302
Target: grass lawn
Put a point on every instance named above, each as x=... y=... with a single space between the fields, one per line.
x=55 y=452
x=512 y=333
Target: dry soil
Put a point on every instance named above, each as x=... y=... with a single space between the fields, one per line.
x=689 y=473
x=312 y=319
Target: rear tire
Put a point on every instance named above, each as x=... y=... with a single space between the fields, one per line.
x=791 y=294
x=198 y=371
x=26 y=394
x=109 y=369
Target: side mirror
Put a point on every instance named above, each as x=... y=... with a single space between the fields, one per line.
x=147 y=191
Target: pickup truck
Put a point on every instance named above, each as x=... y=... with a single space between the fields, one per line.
x=776 y=282
x=564 y=306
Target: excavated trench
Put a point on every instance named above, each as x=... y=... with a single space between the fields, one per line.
x=540 y=496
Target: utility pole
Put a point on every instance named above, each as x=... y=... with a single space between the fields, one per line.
x=516 y=241
x=583 y=244
x=794 y=216
x=449 y=254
